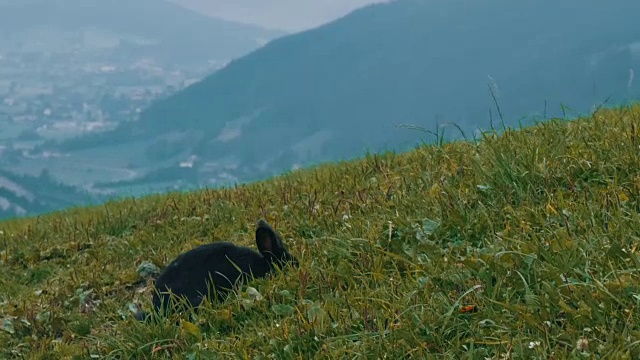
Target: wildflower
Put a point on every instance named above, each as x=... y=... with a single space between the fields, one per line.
x=254 y=294
x=582 y=344
x=533 y=344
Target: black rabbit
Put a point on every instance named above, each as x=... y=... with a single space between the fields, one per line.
x=213 y=269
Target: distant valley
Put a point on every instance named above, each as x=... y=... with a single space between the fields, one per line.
x=71 y=68
x=33 y=195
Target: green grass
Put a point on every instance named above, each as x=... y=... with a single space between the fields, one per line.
x=537 y=229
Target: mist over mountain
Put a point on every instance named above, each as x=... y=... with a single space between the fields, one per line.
x=155 y=28
x=290 y=15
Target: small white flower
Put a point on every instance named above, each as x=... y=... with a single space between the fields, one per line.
x=582 y=344
x=254 y=294
x=533 y=344
x=345 y=217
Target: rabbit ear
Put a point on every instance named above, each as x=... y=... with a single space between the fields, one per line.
x=267 y=240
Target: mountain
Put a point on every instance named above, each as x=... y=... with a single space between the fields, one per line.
x=23 y=195
x=335 y=91
x=131 y=28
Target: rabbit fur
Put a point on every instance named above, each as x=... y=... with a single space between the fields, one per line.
x=214 y=269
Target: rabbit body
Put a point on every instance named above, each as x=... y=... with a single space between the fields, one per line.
x=214 y=269
x=191 y=274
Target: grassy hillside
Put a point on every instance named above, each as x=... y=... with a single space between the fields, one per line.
x=536 y=230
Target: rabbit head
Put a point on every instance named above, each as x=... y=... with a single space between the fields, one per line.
x=272 y=248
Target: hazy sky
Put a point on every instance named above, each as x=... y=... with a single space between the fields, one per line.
x=290 y=15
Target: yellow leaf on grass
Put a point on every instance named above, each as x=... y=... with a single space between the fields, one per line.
x=435 y=190
x=623 y=197
x=225 y=314
x=190 y=328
